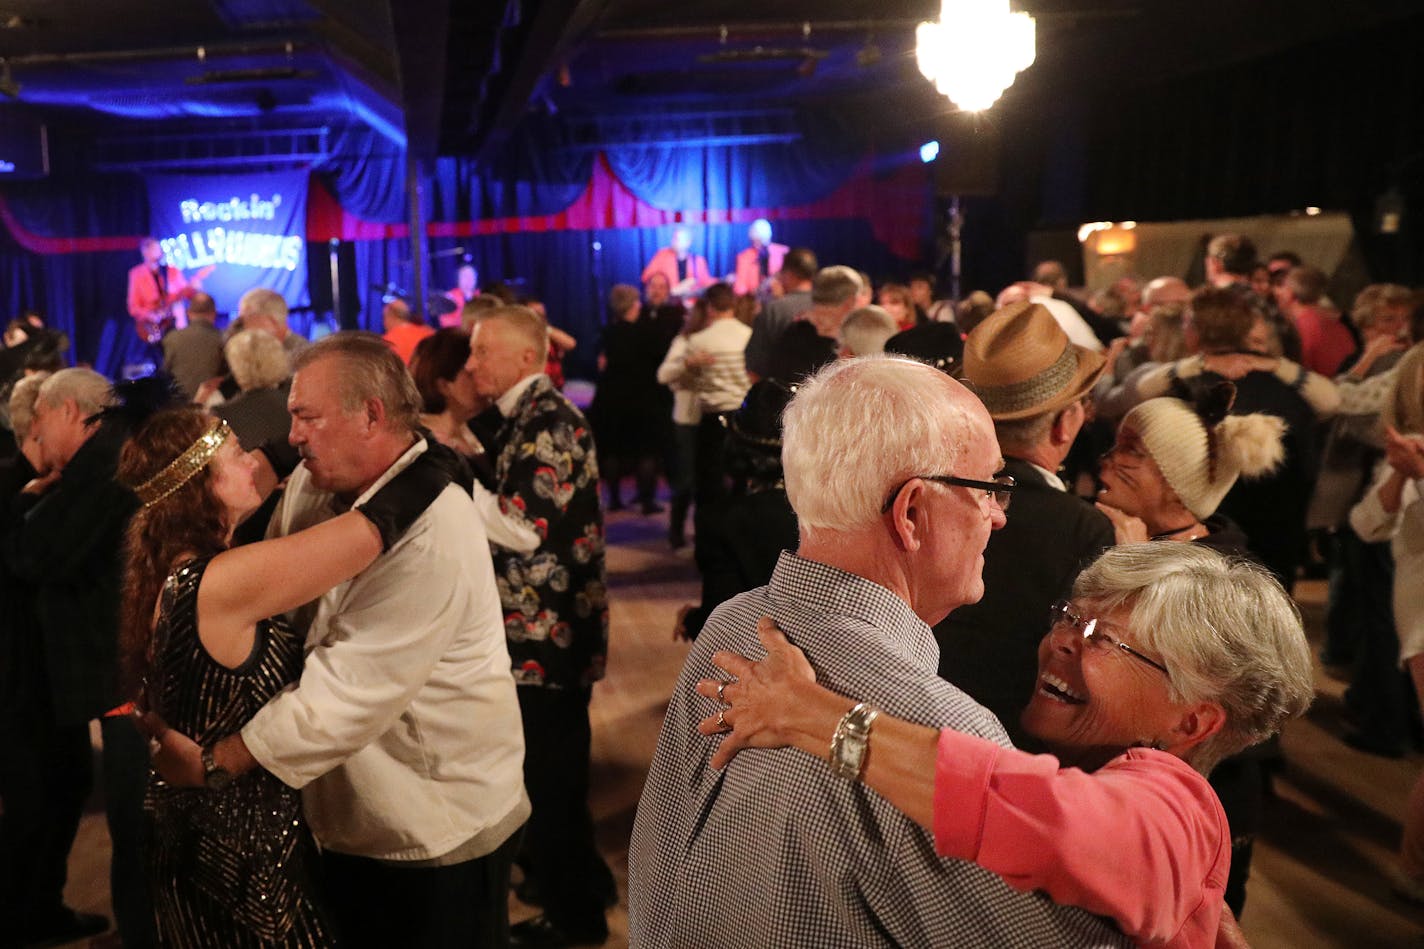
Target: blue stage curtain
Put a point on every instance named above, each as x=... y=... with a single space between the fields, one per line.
x=687 y=172
x=539 y=171
x=80 y=294
x=365 y=172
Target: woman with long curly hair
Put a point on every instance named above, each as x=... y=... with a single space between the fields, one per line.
x=205 y=646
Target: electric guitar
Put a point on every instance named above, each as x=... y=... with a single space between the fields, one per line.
x=152 y=327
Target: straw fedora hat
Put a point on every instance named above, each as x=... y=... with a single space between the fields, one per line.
x=1021 y=363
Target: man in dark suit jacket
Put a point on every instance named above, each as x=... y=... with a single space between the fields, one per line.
x=60 y=577
x=1034 y=383
x=555 y=604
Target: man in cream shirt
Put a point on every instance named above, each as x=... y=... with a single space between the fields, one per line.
x=404 y=730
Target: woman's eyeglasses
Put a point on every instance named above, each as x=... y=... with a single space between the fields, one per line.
x=1061 y=614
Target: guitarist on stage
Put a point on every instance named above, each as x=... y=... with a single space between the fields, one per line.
x=686 y=272
x=154 y=290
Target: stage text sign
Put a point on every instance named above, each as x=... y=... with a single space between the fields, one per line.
x=251 y=229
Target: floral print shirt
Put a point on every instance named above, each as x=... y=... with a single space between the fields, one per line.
x=554 y=600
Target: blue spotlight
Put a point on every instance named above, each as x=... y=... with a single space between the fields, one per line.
x=929 y=151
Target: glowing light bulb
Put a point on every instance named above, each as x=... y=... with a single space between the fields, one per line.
x=975 y=51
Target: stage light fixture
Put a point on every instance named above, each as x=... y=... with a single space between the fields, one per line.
x=929 y=151
x=975 y=51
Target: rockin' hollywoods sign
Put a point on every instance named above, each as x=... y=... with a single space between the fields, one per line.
x=250 y=229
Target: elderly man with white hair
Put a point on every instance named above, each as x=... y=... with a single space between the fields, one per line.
x=866 y=330
x=266 y=310
x=890 y=466
x=759 y=261
x=60 y=556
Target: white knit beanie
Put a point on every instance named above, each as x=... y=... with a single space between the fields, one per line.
x=1180 y=442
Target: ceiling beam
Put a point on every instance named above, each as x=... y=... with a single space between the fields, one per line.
x=556 y=26
x=421 y=28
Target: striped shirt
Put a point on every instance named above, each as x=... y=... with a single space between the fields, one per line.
x=721 y=386
x=777 y=851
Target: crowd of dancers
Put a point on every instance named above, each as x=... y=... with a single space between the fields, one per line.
x=340 y=607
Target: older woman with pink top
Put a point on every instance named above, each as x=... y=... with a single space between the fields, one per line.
x=1166 y=659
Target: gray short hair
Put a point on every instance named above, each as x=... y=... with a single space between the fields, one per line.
x=370 y=370
x=258 y=360
x=88 y=390
x=865 y=330
x=859 y=427
x=835 y=286
x=23 y=396
x=266 y=302
x=1024 y=433
x=523 y=321
x=1225 y=628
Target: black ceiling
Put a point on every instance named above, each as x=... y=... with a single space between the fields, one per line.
x=458 y=76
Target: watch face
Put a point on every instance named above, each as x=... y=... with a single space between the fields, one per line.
x=214 y=778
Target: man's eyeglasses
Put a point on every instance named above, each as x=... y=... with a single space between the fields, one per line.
x=1001 y=489
x=1061 y=614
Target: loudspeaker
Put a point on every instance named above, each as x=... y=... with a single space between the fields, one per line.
x=968 y=162
x=24 y=145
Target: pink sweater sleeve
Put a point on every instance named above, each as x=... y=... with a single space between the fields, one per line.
x=1143 y=840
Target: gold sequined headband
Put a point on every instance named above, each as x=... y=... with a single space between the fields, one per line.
x=181 y=469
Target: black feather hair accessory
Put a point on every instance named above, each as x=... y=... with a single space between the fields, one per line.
x=134 y=401
x=1212 y=406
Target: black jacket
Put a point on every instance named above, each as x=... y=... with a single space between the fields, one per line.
x=63 y=556
x=990 y=648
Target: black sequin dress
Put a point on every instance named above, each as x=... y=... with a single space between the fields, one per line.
x=228 y=868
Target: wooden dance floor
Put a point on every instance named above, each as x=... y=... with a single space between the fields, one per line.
x=1317 y=878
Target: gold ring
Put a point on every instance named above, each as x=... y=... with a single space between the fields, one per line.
x=722 y=720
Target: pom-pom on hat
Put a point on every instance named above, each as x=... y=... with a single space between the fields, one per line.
x=1201 y=450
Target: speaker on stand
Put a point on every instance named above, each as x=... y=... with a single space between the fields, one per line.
x=967 y=166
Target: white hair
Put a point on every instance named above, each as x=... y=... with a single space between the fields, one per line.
x=88 y=390
x=525 y=323
x=865 y=330
x=261 y=300
x=22 y=403
x=258 y=360
x=861 y=426
x=1223 y=626
x=835 y=286
x=760 y=230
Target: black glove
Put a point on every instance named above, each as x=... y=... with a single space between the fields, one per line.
x=449 y=459
x=482 y=468
x=401 y=501
x=281 y=455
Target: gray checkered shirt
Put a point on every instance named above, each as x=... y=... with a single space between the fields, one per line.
x=777 y=851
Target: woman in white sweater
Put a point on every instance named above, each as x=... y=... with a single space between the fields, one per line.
x=1393 y=510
